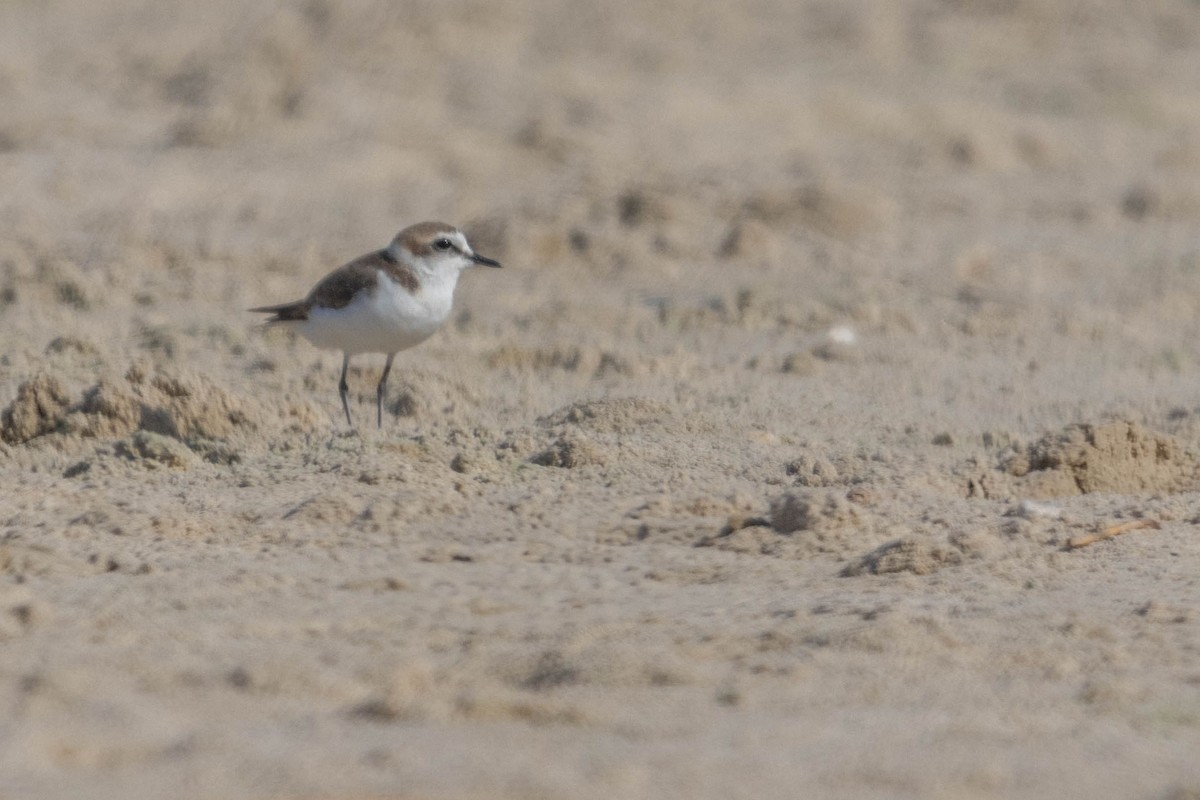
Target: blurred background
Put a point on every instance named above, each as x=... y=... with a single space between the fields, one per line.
x=910 y=169
x=228 y=129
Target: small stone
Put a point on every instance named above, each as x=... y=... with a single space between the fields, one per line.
x=75 y=470
x=1031 y=510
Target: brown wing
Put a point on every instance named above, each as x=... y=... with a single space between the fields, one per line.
x=339 y=287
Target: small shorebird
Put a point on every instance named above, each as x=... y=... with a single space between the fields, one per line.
x=383 y=302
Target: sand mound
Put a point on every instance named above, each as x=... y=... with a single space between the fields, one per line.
x=597 y=433
x=1119 y=457
x=615 y=415
x=154 y=448
x=187 y=406
x=39 y=409
x=800 y=524
x=916 y=554
x=810 y=511
x=183 y=406
x=429 y=395
x=570 y=452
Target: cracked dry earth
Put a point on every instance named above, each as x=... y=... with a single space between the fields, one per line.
x=823 y=330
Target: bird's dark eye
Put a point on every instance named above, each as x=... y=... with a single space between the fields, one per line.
x=443 y=244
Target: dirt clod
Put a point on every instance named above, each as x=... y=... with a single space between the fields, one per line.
x=40 y=408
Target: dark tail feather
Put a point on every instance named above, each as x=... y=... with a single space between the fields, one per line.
x=285 y=312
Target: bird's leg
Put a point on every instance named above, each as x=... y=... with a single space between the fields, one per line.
x=344 y=388
x=381 y=388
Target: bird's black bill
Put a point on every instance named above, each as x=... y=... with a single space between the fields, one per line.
x=484 y=260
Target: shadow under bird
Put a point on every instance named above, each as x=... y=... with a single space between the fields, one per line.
x=385 y=301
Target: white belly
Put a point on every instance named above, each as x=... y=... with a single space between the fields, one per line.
x=386 y=320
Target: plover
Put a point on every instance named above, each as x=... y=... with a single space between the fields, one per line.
x=385 y=301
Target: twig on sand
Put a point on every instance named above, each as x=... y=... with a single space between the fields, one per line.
x=1111 y=531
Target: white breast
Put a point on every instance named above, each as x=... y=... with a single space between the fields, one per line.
x=386 y=320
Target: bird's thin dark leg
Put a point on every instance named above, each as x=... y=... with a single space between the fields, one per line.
x=344 y=389
x=381 y=388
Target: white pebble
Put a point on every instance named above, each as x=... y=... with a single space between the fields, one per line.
x=842 y=334
x=1031 y=509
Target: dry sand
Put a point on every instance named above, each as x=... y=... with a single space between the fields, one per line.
x=826 y=325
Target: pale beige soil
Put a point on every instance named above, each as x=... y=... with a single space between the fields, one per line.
x=824 y=327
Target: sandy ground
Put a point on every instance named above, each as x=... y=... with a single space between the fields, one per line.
x=825 y=326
